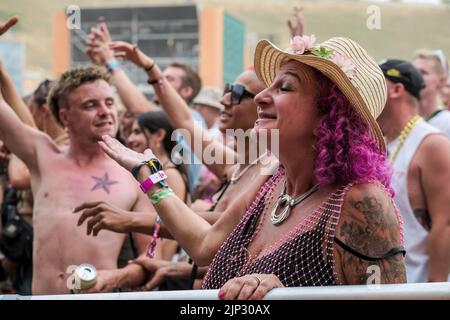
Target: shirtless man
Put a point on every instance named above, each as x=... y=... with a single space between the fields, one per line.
x=421 y=180
x=82 y=101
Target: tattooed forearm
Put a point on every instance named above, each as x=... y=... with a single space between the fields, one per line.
x=423 y=216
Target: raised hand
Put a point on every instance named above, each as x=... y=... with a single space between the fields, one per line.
x=249 y=287
x=4 y=27
x=296 y=26
x=127 y=158
x=97 y=45
x=132 y=53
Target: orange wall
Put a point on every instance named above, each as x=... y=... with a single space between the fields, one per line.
x=211 y=46
x=61 y=44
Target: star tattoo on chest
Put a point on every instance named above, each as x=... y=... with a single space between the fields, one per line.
x=103 y=183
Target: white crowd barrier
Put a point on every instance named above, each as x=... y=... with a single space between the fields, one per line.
x=410 y=291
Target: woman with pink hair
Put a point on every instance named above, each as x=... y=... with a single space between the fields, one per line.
x=326 y=214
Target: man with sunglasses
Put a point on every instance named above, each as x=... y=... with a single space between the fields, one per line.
x=238 y=92
x=434 y=71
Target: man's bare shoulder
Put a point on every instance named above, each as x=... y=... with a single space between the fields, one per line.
x=434 y=151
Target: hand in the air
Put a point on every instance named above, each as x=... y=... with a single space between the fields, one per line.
x=4 y=27
x=132 y=53
x=296 y=26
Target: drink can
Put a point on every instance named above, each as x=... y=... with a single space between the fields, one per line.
x=85 y=276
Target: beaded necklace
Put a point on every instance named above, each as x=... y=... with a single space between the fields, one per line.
x=404 y=135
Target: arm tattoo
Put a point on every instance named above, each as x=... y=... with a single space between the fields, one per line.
x=368 y=236
x=357 y=271
x=371 y=232
x=423 y=217
x=103 y=183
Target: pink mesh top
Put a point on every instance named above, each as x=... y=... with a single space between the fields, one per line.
x=303 y=257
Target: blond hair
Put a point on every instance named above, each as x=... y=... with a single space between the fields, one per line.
x=440 y=65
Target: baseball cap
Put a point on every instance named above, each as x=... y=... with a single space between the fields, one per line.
x=404 y=72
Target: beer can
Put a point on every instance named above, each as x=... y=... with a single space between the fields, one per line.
x=85 y=276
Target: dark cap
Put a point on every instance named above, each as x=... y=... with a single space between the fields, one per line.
x=400 y=71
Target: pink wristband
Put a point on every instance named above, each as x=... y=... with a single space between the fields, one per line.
x=151 y=180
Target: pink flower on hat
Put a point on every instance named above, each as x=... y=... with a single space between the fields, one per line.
x=310 y=41
x=297 y=45
x=300 y=44
x=345 y=63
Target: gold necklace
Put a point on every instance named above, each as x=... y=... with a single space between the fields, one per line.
x=404 y=135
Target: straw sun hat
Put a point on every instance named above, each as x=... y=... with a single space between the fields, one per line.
x=344 y=62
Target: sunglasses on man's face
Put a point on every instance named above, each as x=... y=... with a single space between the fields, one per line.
x=238 y=92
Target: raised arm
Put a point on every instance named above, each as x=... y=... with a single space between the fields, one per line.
x=178 y=112
x=297 y=25
x=13 y=99
x=4 y=27
x=97 y=49
x=7 y=88
x=19 y=138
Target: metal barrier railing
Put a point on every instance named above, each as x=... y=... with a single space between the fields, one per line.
x=409 y=291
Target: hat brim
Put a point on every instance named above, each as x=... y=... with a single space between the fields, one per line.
x=268 y=59
x=209 y=103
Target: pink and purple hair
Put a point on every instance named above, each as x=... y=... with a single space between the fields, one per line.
x=345 y=151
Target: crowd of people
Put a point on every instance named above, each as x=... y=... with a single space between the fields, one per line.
x=351 y=171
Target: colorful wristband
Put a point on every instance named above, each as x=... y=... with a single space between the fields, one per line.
x=153 y=164
x=160 y=194
x=152 y=245
x=152 y=180
x=112 y=65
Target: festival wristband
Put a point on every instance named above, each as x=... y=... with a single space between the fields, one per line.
x=152 y=180
x=160 y=194
x=153 y=164
x=112 y=65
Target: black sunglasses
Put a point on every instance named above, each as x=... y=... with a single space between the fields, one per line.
x=238 y=92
